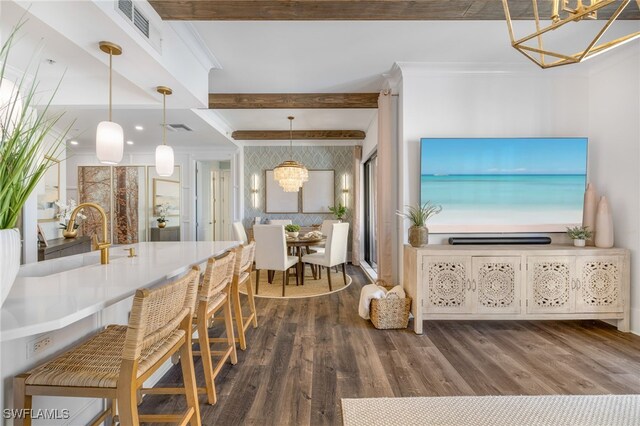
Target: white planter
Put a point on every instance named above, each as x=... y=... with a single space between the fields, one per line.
x=293 y=234
x=579 y=243
x=9 y=260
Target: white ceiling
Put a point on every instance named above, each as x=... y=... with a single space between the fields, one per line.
x=340 y=56
x=86 y=121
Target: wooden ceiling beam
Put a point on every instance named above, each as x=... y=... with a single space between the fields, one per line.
x=292 y=100
x=393 y=10
x=276 y=135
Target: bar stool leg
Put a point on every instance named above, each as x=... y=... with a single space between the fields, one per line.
x=205 y=354
x=189 y=377
x=21 y=400
x=252 y=302
x=127 y=395
x=228 y=322
x=237 y=307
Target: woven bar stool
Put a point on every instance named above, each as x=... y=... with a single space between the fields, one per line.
x=114 y=363
x=213 y=296
x=242 y=275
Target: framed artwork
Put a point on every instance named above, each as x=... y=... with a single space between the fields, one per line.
x=41 y=237
x=319 y=192
x=166 y=191
x=278 y=201
x=48 y=195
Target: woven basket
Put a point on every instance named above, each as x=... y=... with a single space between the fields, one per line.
x=391 y=312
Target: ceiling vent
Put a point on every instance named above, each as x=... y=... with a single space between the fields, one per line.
x=133 y=12
x=179 y=128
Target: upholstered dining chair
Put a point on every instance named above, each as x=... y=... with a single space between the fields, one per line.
x=115 y=363
x=280 y=222
x=239 y=233
x=213 y=296
x=335 y=252
x=271 y=253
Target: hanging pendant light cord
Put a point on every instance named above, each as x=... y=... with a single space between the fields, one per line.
x=164 y=119
x=110 y=81
x=291 y=138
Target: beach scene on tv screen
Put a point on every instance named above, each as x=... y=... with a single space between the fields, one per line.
x=532 y=184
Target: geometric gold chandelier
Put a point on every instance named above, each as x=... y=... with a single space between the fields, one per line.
x=290 y=174
x=565 y=12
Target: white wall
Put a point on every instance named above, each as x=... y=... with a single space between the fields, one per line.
x=614 y=157
x=597 y=100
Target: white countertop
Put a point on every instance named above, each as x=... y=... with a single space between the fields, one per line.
x=42 y=300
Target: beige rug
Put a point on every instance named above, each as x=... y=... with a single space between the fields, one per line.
x=564 y=410
x=311 y=287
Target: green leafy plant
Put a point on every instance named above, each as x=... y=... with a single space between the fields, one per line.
x=419 y=214
x=292 y=228
x=579 y=233
x=26 y=148
x=338 y=211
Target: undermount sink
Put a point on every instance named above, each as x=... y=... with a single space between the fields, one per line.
x=55 y=266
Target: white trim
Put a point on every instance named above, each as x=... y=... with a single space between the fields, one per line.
x=194 y=41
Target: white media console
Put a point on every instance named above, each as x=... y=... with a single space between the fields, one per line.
x=528 y=282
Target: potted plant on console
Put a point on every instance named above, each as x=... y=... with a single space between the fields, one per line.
x=338 y=211
x=162 y=215
x=292 y=230
x=418 y=216
x=27 y=150
x=579 y=235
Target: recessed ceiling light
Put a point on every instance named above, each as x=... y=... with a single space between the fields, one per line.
x=139 y=127
x=129 y=142
x=73 y=142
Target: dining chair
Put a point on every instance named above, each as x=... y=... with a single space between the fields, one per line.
x=335 y=252
x=114 y=363
x=271 y=253
x=239 y=233
x=280 y=222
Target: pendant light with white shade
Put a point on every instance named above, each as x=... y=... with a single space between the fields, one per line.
x=291 y=174
x=164 y=153
x=109 y=135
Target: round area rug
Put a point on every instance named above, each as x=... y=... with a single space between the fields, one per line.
x=311 y=287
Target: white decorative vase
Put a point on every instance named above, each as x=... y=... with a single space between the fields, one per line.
x=293 y=234
x=604 y=225
x=589 y=211
x=579 y=243
x=9 y=260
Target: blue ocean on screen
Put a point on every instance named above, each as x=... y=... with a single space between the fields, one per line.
x=518 y=181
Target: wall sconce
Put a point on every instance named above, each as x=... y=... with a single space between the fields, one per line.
x=345 y=189
x=255 y=191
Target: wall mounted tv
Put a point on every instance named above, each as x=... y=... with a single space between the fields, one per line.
x=504 y=184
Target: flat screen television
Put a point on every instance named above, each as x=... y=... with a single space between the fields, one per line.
x=503 y=184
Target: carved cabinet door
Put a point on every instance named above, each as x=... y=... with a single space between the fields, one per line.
x=598 y=284
x=495 y=284
x=447 y=281
x=550 y=282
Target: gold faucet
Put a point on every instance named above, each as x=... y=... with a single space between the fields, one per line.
x=103 y=246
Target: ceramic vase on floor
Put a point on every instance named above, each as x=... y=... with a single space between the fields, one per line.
x=589 y=211
x=9 y=260
x=604 y=225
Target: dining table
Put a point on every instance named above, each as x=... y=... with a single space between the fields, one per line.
x=297 y=244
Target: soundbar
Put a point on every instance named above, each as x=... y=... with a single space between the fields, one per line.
x=499 y=240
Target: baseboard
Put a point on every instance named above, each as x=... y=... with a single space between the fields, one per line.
x=635 y=321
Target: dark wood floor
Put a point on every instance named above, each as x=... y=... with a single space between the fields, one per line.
x=308 y=354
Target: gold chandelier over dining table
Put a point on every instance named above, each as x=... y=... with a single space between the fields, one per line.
x=290 y=174
x=564 y=12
